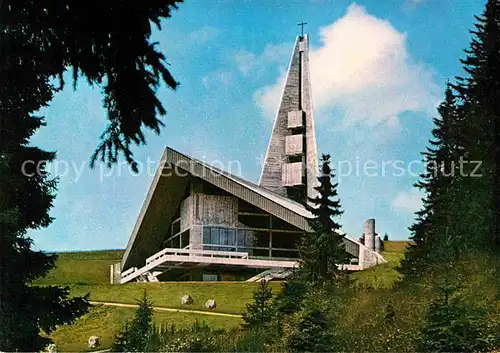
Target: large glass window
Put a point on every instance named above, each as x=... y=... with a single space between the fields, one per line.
x=285 y=240
x=209 y=277
x=261 y=243
x=176 y=227
x=214 y=235
x=261 y=239
x=219 y=236
x=176 y=242
x=206 y=235
x=260 y=252
x=245 y=237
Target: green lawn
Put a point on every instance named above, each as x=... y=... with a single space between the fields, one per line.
x=383 y=276
x=88 y=272
x=105 y=321
x=230 y=297
x=84 y=268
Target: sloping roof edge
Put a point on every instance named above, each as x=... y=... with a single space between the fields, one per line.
x=279 y=206
x=144 y=208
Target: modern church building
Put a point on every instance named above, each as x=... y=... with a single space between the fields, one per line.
x=201 y=223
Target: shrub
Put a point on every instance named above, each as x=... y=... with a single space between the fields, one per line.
x=289 y=299
x=454 y=326
x=260 y=310
x=308 y=332
x=139 y=334
x=199 y=337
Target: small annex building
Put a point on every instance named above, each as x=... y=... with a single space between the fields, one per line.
x=201 y=223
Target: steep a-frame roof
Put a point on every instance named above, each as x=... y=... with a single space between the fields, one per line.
x=168 y=188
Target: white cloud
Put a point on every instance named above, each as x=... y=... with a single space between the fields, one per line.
x=268 y=97
x=248 y=62
x=245 y=61
x=217 y=78
x=410 y=201
x=363 y=70
x=203 y=34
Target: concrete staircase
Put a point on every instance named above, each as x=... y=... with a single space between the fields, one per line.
x=269 y=275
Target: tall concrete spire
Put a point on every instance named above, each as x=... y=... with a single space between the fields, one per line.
x=291 y=165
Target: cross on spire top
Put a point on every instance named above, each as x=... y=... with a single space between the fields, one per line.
x=302 y=24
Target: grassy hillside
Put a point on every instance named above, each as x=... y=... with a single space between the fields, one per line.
x=88 y=272
x=230 y=297
x=105 y=321
x=383 y=276
x=82 y=268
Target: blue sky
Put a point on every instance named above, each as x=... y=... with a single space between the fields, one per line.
x=378 y=71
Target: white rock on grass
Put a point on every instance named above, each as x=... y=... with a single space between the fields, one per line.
x=51 y=348
x=94 y=342
x=186 y=299
x=210 y=304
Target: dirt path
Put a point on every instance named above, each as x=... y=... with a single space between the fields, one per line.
x=158 y=308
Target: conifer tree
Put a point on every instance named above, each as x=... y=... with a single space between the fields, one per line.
x=136 y=335
x=311 y=332
x=26 y=196
x=431 y=231
x=260 y=311
x=323 y=249
x=289 y=299
x=453 y=325
x=108 y=43
x=479 y=91
x=461 y=211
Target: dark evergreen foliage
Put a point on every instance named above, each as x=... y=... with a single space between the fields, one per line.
x=138 y=334
x=480 y=92
x=433 y=233
x=311 y=334
x=454 y=326
x=26 y=196
x=289 y=299
x=461 y=210
x=106 y=42
x=442 y=166
x=323 y=248
x=260 y=311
